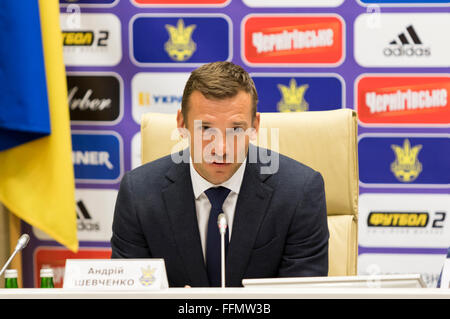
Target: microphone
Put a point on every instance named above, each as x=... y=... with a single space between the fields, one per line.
x=21 y=244
x=222 y=224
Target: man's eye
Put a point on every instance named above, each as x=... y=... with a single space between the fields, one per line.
x=205 y=127
x=238 y=129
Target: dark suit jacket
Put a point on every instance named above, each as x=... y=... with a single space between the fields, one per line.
x=279 y=228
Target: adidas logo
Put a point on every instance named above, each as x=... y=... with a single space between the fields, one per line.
x=84 y=219
x=407 y=44
x=404 y=40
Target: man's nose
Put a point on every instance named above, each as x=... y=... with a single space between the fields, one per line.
x=220 y=145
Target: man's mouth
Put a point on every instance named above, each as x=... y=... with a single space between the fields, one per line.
x=220 y=164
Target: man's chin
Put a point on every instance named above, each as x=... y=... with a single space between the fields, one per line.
x=219 y=172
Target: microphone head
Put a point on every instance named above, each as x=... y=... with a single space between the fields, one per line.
x=22 y=242
x=222 y=223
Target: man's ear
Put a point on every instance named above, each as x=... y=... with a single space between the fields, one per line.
x=181 y=125
x=255 y=126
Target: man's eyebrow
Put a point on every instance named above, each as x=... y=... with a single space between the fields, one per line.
x=243 y=123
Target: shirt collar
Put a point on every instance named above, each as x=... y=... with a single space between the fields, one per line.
x=199 y=184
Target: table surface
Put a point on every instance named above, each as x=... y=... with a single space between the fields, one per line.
x=231 y=293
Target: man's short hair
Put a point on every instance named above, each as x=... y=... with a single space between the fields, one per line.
x=219 y=80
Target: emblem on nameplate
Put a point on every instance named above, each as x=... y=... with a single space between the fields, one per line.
x=148 y=276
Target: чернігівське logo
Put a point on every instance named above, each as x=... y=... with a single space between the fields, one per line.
x=403 y=99
x=180 y=46
x=406 y=166
x=284 y=39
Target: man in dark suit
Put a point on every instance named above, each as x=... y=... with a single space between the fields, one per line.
x=276 y=213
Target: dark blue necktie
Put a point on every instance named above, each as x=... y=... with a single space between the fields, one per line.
x=216 y=196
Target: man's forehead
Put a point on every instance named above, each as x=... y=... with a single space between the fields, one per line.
x=234 y=117
x=239 y=103
x=229 y=122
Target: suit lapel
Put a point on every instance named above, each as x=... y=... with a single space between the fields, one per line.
x=180 y=204
x=254 y=197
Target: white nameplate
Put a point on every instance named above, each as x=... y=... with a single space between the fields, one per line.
x=115 y=274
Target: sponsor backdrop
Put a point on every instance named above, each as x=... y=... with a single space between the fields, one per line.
x=388 y=60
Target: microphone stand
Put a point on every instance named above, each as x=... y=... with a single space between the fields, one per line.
x=222 y=240
x=21 y=243
x=222 y=223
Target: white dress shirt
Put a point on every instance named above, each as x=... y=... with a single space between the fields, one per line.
x=203 y=206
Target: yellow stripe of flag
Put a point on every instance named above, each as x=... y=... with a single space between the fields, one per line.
x=37 y=178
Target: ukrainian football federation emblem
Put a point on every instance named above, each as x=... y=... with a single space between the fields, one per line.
x=148 y=276
x=406 y=166
x=180 y=46
x=292 y=97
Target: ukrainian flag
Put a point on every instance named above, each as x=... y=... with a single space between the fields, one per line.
x=36 y=172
